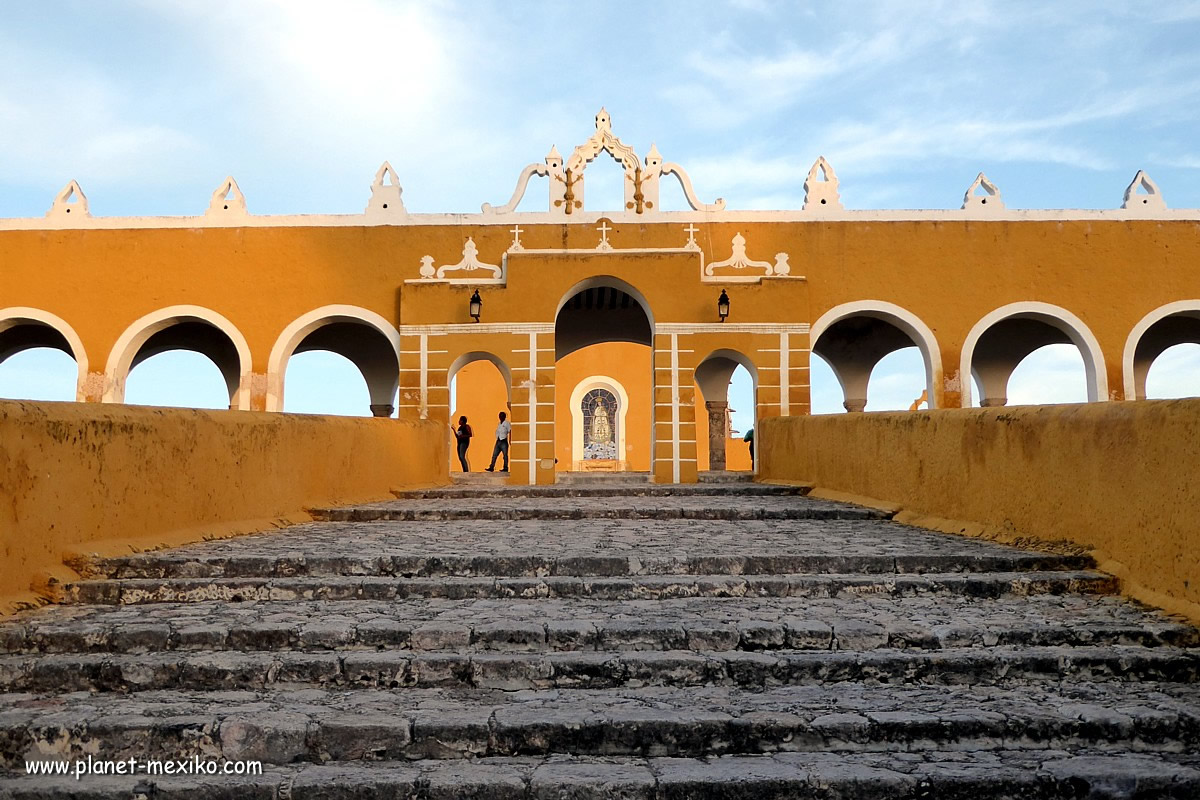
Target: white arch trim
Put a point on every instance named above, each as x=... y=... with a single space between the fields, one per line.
x=920 y=333
x=607 y=282
x=294 y=334
x=15 y=315
x=120 y=359
x=1079 y=334
x=582 y=388
x=1157 y=315
x=480 y=355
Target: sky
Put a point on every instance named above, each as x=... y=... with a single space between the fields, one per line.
x=149 y=104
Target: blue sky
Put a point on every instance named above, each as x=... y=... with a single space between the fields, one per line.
x=151 y=104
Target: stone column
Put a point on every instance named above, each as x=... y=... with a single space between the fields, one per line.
x=718 y=413
x=382 y=409
x=855 y=405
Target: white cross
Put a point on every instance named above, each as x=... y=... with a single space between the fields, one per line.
x=691 y=231
x=516 y=243
x=604 y=229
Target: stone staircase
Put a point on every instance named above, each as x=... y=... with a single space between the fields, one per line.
x=606 y=640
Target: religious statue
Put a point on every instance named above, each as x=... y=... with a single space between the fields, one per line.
x=601 y=428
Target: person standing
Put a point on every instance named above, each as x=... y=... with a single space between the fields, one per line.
x=463 y=434
x=503 y=431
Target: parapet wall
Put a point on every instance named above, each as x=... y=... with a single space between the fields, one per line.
x=78 y=478
x=1121 y=479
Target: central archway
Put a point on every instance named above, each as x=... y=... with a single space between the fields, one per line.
x=603 y=334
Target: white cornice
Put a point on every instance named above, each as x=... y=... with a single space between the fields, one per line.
x=590 y=217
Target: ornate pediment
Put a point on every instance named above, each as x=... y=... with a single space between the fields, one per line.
x=567 y=180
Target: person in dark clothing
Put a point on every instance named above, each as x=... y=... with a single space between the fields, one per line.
x=749 y=437
x=463 y=434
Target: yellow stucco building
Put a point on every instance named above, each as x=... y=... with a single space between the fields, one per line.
x=604 y=333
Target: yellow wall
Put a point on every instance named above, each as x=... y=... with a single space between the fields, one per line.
x=1117 y=478
x=629 y=365
x=105 y=478
x=481 y=395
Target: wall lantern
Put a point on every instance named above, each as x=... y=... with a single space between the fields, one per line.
x=723 y=305
x=476 y=306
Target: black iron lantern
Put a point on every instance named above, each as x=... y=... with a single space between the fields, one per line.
x=476 y=306
x=723 y=305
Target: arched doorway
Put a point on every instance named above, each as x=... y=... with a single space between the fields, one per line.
x=480 y=387
x=603 y=378
x=718 y=448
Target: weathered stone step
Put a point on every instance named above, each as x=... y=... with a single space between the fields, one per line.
x=285 y=726
x=560 y=625
x=621 y=479
x=135 y=591
x=176 y=565
x=987 y=775
x=705 y=489
x=552 y=508
x=204 y=671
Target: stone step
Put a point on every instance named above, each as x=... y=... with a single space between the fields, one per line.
x=488 y=479
x=135 y=591
x=980 y=775
x=618 y=479
x=1000 y=775
x=731 y=488
x=544 y=625
x=282 y=726
x=434 y=565
x=622 y=507
x=725 y=476
x=388 y=669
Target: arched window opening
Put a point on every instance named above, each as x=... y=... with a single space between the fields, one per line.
x=1051 y=374
x=897 y=382
x=39 y=373
x=825 y=392
x=178 y=379
x=1175 y=373
x=323 y=382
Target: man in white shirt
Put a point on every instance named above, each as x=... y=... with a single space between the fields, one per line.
x=503 y=431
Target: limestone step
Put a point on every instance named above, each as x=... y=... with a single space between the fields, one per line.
x=979 y=775
x=282 y=726
x=733 y=508
x=450 y=564
x=725 y=476
x=388 y=669
x=861 y=622
x=730 y=488
x=488 y=479
x=134 y=591
x=621 y=479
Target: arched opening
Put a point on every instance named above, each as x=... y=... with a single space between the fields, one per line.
x=1008 y=336
x=603 y=341
x=322 y=382
x=41 y=357
x=897 y=382
x=857 y=338
x=1162 y=357
x=727 y=384
x=171 y=378
x=1175 y=373
x=1049 y=375
x=362 y=337
x=480 y=388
